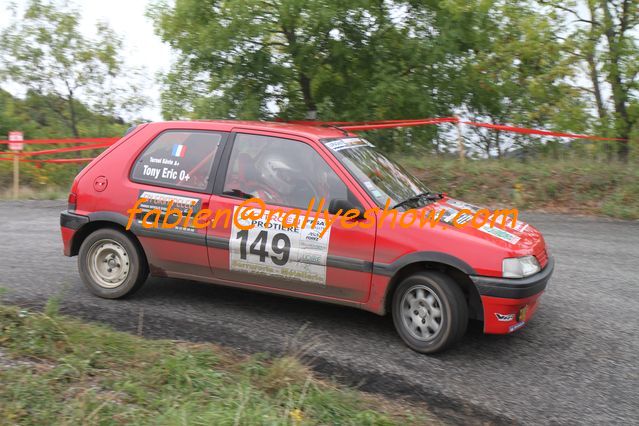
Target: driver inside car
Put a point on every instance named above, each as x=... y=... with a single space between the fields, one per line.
x=286 y=180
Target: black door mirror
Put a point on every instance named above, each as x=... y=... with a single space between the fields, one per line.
x=338 y=204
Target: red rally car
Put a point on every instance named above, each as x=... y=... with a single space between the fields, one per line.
x=432 y=279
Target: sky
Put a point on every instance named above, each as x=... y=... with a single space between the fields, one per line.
x=127 y=18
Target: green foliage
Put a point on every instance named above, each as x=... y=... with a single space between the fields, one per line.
x=68 y=78
x=519 y=74
x=357 y=60
x=62 y=371
x=503 y=62
x=72 y=87
x=600 y=37
x=36 y=117
x=36 y=120
x=49 y=181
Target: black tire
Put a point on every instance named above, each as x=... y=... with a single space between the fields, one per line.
x=128 y=254
x=453 y=310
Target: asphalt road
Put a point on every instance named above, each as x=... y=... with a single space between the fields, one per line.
x=576 y=362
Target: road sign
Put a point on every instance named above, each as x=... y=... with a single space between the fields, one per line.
x=15 y=141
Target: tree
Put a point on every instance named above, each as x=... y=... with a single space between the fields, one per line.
x=498 y=61
x=604 y=38
x=44 y=52
x=328 y=58
x=518 y=73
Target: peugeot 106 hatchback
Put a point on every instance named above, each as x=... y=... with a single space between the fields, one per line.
x=304 y=211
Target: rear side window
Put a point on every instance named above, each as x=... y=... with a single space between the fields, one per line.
x=178 y=159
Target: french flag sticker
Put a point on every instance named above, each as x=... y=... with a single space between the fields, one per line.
x=178 y=150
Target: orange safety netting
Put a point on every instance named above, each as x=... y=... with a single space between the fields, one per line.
x=101 y=143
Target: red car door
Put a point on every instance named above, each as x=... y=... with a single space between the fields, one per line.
x=173 y=171
x=286 y=172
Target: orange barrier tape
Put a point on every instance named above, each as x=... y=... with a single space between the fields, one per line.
x=66 y=141
x=69 y=149
x=528 y=131
x=372 y=122
x=391 y=124
x=52 y=160
x=396 y=124
x=100 y=143
x=66 y=160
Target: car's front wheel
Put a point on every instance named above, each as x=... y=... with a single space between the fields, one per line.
x=111 y=264
x=429 y=311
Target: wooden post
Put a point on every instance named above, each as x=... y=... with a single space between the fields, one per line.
x=460 y=141
x=16 y=145
x=16 y=175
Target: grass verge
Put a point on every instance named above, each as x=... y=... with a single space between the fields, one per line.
x=59 y=370
x=568 y=186
x=28 y=193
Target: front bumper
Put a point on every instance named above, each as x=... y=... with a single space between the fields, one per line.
x=509 y=303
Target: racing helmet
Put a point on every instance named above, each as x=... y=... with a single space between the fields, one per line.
x=281 y=172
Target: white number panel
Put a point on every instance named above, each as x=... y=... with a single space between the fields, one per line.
x=296 y=252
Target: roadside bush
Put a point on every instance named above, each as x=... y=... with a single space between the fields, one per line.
x=570 y=185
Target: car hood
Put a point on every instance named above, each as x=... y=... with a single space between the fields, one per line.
x=516 y=236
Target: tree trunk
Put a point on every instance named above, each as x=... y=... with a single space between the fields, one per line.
x=592 y=66
x=619 y=91
x=72 y=113
x=594 y=78
x=303 y=79
x=74 y=119
x=309 y=102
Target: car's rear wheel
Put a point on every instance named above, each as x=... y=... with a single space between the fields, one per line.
x=111 y=264
x=429 y=311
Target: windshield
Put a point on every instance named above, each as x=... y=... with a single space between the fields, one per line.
x=380 y=176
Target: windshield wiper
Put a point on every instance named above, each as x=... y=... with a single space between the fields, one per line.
x=430 y=196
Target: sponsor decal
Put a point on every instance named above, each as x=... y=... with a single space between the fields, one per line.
x=504 y=317
x=500 y=233
x=520 y=226
x=462 y=205
x=178 y=150
x=347 y=143
x=154 y=210
x=450 y=214
x=516 y=326
x=377 y=194
x=508 y=221
x=280 y=247
x=370 y=185
x=165 y=174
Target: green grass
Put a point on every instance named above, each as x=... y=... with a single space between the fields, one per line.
x=63 y=371
x=28 y=193
x=570 y=186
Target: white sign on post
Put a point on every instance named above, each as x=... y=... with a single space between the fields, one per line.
x=15 y=141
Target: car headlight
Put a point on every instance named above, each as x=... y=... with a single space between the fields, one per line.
x=520 y=267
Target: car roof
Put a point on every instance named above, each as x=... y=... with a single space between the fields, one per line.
x=311 y=132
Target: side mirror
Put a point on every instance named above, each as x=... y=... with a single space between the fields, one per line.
x=338 y=204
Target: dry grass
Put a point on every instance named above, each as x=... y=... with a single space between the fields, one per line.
x=570 y=186
x=58 y=370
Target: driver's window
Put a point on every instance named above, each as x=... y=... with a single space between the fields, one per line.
x=280 y=171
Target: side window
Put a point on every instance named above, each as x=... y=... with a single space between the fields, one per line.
x=178 y=159
x=280 y=171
